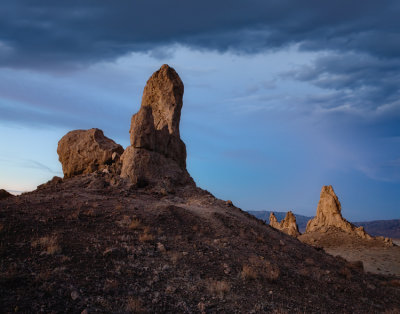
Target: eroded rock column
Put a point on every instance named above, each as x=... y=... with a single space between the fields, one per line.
x=157 y=153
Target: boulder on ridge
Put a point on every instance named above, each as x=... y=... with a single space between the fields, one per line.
x=86 y=151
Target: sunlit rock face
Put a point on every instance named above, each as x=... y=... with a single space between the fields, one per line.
x=329 y=215
x=157 y=153
x=288 y=225
x=86 y=151
x=156 y=156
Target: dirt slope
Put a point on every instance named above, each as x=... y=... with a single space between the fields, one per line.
x=93 y=244
x=377 y=256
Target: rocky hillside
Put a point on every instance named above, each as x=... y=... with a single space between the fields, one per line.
x=86 y=243
x=129 y=232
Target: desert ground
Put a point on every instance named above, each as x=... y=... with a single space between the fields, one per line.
x=377 y=257
x=92 y=243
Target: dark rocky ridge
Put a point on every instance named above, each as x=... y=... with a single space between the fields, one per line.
x=4 y=194
x=89 y=242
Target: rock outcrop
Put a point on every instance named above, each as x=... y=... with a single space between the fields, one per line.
x=329 y=216
x=288 y=225
x=4 y=194
x=156 y=156
x=86 y=151
x=273 y=222
x=157 y=153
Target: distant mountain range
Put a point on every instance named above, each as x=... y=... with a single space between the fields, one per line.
x=386 y=228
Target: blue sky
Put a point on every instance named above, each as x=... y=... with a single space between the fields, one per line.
x=280 y=98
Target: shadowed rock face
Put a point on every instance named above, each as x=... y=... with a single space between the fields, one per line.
x=85 y=151
x=329 y=215
x=157 y=153
x=288 y=225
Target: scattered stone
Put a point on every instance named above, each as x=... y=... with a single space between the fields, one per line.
x=385 y=240
x=227 y=269
x=115 y=252
x=229 y=203
x=74 y=295
x=157 y=152
x=201 y=306
x=161 y=247
x=53 y=182
x=165 y=267
x=97 y=183
x=288 y=225
x=329 y=216
x=356 y=265
x=394 y=283
x=170 y=289
x=86 y=151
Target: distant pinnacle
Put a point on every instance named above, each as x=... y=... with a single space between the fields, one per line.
x=329 y=215
x=288 y=225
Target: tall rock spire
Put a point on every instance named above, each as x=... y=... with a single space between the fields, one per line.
x=329 y=215
x=157 y=152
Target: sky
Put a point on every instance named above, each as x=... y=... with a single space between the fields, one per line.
x=281 y=97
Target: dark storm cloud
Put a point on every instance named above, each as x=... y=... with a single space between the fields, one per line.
x=72 y=33
x=359 y=80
